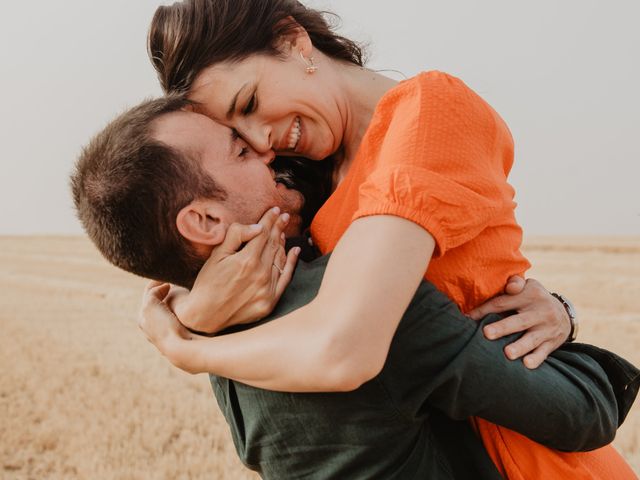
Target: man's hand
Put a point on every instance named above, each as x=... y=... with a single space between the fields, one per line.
x=542 y=317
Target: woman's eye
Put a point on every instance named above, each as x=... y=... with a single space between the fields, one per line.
x=243 y=151
x=250 y=106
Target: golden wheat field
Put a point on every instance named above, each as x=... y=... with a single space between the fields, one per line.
x=84 y=396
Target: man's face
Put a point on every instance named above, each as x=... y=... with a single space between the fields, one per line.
x=238 y=169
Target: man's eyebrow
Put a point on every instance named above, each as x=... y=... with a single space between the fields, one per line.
x=232 y=108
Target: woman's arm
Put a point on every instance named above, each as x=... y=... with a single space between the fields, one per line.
x=339 y=340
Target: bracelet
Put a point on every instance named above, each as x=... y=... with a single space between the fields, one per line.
x=573 y=317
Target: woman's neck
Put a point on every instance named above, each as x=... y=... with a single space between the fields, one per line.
x=361 y=90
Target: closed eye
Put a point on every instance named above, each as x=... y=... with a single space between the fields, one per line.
x=235 y=139
x=251 y=106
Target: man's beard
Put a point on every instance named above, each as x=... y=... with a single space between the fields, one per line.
x=313 y=179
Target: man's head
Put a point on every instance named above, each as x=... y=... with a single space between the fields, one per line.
x=158 y=187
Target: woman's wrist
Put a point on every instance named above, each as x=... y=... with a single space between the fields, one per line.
x=197 y=313
x=180 y=353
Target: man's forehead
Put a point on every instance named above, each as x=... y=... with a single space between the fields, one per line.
x=193 y=132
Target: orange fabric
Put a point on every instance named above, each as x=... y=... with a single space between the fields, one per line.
x=519 y=458
x=437 y=154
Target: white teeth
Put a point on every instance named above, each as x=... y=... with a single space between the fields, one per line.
x=294 y=134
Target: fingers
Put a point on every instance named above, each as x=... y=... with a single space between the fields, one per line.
x=507 y=326
x=515 y=285
x=287 y=274
x=531 y=340
x=280 y=260
x=238 y=234
x=275 y=243
x=539 y=355
x=155 y=292
x=276 y=270
x=257 y=244
x=152 y=284
x=499 y=304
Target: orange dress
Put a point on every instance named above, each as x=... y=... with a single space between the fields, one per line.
x=437 y=154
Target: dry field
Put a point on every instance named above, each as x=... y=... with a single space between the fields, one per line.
x=83 y=395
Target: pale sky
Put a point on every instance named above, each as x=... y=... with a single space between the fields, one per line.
x=563 y=74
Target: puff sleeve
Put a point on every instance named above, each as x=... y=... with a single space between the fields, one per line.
x=438 y=155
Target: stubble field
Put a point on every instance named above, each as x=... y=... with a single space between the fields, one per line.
x=83 y=395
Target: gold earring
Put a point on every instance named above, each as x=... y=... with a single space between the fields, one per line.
x=311 y=68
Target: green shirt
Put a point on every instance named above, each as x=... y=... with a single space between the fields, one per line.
x=409 y=421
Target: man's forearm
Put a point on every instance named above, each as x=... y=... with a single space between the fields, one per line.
x=568 y=403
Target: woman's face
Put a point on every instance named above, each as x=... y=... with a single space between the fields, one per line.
x=274 y=103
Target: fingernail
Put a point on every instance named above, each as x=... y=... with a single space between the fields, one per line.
x=285 y=217
x=282 y=236
x=297 y=250
x=489 y=333
x=276 y=210
x=256 y=227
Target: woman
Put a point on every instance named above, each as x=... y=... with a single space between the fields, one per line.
x=420 y=186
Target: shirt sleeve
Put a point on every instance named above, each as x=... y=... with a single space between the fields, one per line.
x=439 y=358
x=437 y=155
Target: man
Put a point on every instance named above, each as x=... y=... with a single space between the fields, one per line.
x=157 y=189
x=160 y=185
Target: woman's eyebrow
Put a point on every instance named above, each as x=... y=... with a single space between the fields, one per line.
x=232 y=107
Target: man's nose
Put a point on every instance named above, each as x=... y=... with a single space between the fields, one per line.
x=267 y=157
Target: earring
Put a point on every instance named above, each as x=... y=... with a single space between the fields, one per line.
x=311 y=68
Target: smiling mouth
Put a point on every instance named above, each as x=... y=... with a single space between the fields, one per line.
x=294 y=134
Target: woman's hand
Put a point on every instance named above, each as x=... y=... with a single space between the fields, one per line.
x=157 y=321
x=163 y=329
x=542 y=317
x=241 y=284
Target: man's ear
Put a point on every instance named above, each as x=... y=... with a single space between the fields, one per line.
x=294 y=39
x=201 y=222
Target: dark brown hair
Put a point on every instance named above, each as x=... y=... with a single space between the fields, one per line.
x=128 y=189
x=189 y=36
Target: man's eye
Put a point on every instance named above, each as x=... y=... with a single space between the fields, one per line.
x=243 y=151
x=250 y=106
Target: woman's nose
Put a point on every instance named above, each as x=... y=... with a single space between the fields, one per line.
x=259 y=137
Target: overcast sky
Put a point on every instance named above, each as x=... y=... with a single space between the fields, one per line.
x=565 y=75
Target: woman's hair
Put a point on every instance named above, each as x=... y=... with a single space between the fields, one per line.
x=191 y=35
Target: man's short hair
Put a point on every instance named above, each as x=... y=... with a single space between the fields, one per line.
x=128 y=189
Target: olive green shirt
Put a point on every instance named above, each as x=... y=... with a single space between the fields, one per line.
x=409 y=421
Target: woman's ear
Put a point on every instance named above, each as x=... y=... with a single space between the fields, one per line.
x=292 y=38
x=201 y=222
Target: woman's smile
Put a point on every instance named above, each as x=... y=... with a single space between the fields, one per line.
x=295 y=132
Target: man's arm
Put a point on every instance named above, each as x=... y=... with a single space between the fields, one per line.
x=439 y=358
